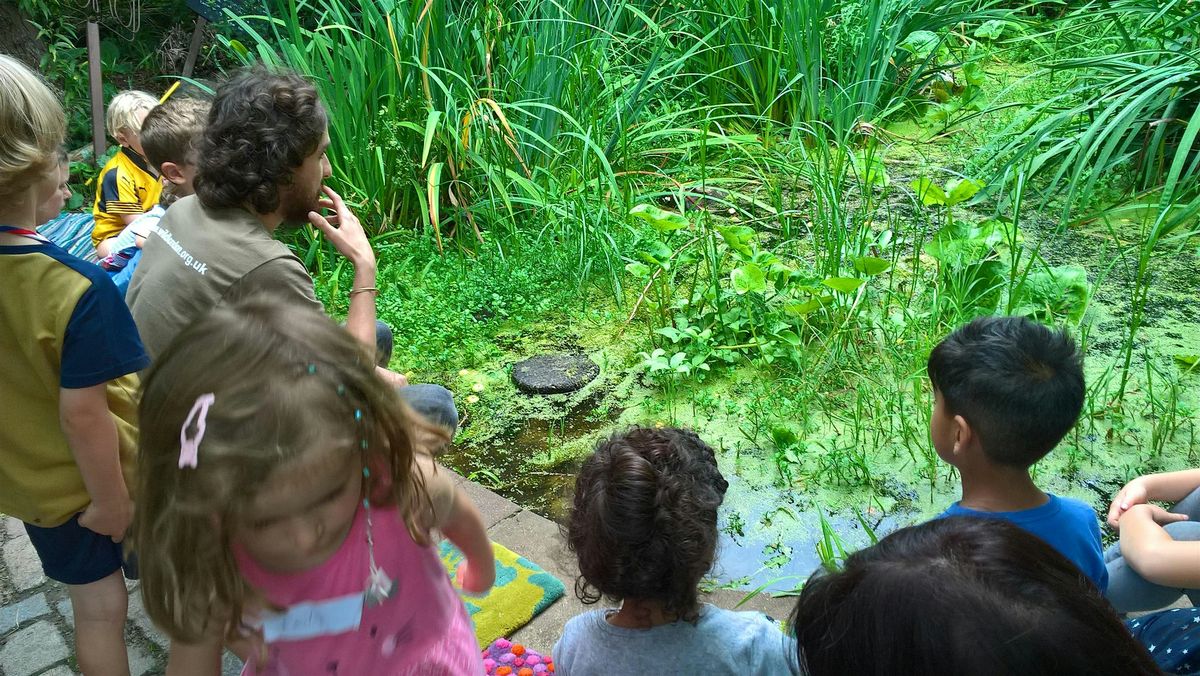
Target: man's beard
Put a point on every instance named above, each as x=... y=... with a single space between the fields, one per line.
x=297 y=202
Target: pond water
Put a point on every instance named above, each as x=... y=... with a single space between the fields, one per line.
x=769 y=534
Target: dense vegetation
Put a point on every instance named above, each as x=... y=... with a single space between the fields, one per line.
x=758 y=216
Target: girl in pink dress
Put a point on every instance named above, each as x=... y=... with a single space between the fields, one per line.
x=286 y=507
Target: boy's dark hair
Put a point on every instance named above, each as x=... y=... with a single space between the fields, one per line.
x=1017 y=383
x=262 y=126
x=172 y=131
x=644 y=520
x=961 y=595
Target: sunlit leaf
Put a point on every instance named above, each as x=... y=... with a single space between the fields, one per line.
x=639 y=270
x=659 y=219
x=929 y=192
x=738 y=237
x=843 y=284
x=748 y=278
x=961 y=189
x=807 y=307
x=870 y=265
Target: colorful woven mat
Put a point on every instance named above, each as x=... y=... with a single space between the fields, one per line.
x=522 y=590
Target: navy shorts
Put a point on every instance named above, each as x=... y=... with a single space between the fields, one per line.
x=72 y=554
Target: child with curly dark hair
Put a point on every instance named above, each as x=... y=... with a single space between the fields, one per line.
x=644 y=528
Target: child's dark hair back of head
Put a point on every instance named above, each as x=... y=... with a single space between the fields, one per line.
x=644 y=520
x=1017 y=383
x=961 y=595
x=172 y=131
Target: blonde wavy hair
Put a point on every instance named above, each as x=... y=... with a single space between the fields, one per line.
x=32 y=127
x=122 y=112
x=282 y=376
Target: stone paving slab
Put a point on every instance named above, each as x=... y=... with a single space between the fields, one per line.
x=494 y=507
x=32 y=649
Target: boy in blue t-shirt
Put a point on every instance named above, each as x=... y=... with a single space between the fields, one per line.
x=1006 y=391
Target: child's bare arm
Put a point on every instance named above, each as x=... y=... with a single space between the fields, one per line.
x=91 y=434
x=465 y=529
x=128 y=218
x=1153 y=553
x=1164 y=487
x=194 y=659
x=453 y=513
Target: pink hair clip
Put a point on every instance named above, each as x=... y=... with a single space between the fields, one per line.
x=188 y=448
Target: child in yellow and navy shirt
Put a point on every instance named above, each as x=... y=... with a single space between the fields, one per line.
x=68 y=382
x=127 y=187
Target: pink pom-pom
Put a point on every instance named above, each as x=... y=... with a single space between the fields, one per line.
x=489 y=664
x=519 y=662
x=539 y=668
x=507 y=658
x=533 y=659
x=503 y=643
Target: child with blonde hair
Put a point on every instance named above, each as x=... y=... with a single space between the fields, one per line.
x=170 y=135
x=67 y=383
x=289 y=504
x=127 y=187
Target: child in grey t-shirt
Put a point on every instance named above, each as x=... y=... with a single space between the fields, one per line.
x=644 y=529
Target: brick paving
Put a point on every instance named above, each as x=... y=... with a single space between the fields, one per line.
x=37 y=636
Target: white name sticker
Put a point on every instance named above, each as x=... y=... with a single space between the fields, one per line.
x=315 y=618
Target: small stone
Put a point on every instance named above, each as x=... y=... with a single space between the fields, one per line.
x=64 y=608
x=554 y=373
x=15 y=614
x=11 y=527
x=32 y=649
x=24 y=566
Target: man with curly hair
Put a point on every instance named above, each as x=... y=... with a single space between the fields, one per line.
x=260 y=167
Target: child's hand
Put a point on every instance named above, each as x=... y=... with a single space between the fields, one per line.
x=1155 y=513
x=1132 y=493
x=474 y=581
x=111 y=519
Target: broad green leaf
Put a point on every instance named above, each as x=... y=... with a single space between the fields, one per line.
x=784 y=436
x=921 y=43
x=990 y=30
x=1189 y=360
x=639 y=270
x=656 y=253
x=738 y=237
x=843 y=284
x=748 y=278
x=1052 y=293
x=960 y=243
x=659 y=219
x=973 y=74
x=807 y=307
x=961 y=189
x=788 y=336
x=929 y=192
x=870 y=265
